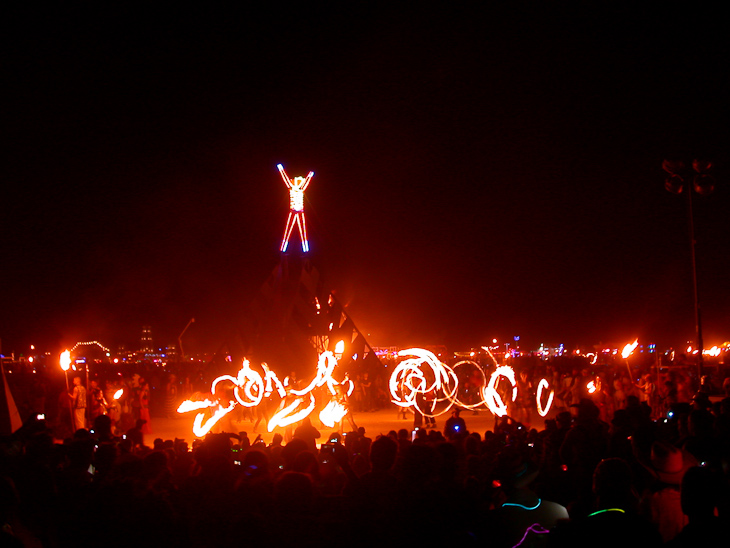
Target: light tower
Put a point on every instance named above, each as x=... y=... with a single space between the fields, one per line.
x=704 y=184
x=296 y=187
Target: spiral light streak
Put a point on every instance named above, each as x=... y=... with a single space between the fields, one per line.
x=408 y=381
x=200 y=429
x=332 y=414
x=457 y=401
x=291 y=413
x=490 y=394
x=325 y=367
x=271 y=377
x=542 y=385
x=189 y=405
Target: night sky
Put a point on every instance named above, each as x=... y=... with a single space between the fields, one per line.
x=480 y=172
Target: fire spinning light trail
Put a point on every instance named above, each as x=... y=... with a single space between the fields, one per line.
x=409 y=380
x=200 y=429
x=490 y=394
x=250 y=387
x=291 y=413
x=296 y=187
x=542 y=385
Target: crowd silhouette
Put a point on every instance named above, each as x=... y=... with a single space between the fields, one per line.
x=632 y=480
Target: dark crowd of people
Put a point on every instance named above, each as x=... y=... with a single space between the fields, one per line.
x=634 y=480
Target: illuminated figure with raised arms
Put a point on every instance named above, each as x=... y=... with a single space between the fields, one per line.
x=296 y=187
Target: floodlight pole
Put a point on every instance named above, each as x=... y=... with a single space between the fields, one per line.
x=702 y=183
x=698 y=312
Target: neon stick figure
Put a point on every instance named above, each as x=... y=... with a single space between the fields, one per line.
x=296 y=187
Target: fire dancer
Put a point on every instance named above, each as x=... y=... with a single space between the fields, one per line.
x=78 y=397
x=98 y=404
x=341 y=398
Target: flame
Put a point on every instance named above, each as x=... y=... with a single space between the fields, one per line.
x=408 y=380
x=591 y=386
x=189 y=405
x=340 y=347
x=200 y=429
x=714 y=351
x=270 y=377
x=629 y=348
x=250 y=387
x=118 y=393
x=65 y=360
x=291 y=413
x=490 y=394
x=332 y=414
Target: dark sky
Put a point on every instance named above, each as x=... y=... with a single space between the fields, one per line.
x=480 y=172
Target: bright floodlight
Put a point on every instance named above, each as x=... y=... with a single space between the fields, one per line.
x=296 y=187
x=65 y=360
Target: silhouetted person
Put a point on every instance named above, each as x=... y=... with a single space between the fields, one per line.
x=455 y=426
x=615 y=521
x=702 y=491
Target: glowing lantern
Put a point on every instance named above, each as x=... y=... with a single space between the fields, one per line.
x=296 y=187
x=118 y=393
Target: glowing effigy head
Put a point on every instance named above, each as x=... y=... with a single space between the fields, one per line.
x=297 y=183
